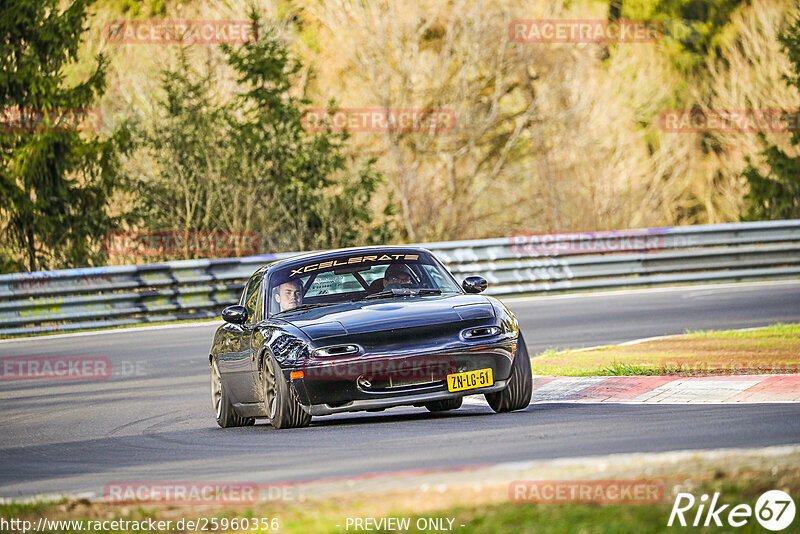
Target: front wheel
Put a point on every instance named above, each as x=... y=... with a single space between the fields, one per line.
x=520 y=384
x=283 y=409
x=226 y=415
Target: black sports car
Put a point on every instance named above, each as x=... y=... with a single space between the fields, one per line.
x=363 y=329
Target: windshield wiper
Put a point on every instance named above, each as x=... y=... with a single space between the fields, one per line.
x=429 y=291
x=304 y=307
x=394 y=293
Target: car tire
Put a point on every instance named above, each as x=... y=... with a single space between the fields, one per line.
x=520 y=384
x=282 y=407
x=221 y=402
x=445 y=405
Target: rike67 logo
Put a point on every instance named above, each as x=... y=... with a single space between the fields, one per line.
x=774 y=510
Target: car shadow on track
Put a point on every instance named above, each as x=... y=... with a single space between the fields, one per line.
x=364 y=418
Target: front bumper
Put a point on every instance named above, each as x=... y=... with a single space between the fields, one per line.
x=417 y=399
x=378 y=381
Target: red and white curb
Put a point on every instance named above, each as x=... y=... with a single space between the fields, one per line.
x=667 y=389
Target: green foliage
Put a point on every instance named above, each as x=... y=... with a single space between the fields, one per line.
x=54 y=184
x=130 y=7
x=187 y=145
x=315 y=200
x=693 y=29
x=246 y=164
x=776 y=195
x=158 y=7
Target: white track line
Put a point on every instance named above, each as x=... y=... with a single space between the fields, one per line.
x=622 y=292
x=113 y=331
x=646 y=339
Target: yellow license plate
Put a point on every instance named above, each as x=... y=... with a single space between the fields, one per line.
x=480 y=378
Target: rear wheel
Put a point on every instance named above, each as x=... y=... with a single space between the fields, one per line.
x=520 y=384
x=444 y=405
x=283 y=409
x=223 y=408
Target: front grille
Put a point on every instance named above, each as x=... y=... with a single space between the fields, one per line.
x=409 y=379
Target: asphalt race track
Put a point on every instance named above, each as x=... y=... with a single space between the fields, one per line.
x=152 y=420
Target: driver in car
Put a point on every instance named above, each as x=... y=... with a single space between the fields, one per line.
x=289 y=295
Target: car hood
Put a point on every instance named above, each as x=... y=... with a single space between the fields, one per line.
x=364 y=317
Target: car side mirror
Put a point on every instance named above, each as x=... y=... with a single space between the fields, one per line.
x=235 y=314
x=474 y=284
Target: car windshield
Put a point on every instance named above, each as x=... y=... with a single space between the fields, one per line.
x=380 y=274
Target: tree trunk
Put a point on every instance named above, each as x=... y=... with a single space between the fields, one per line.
x=31 y=244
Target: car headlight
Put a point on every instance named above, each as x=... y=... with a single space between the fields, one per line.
x=480 y=332
x=337 y=350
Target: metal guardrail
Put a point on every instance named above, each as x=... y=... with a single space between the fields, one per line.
x=76 y=299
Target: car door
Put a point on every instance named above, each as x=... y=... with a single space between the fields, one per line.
x=255 y=314
x=238 y=362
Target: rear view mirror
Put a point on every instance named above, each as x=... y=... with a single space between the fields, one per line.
x=235 y=314
x=474 y=284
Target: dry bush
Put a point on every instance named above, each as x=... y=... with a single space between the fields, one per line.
x=590 y=153
x=550 y=136
x=425 y=55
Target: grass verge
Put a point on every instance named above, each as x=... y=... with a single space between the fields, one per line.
x=773 y=349
x=487 y=511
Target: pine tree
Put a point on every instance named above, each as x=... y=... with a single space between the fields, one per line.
x=55 y=178
x=777 y=195
x=315 y=200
